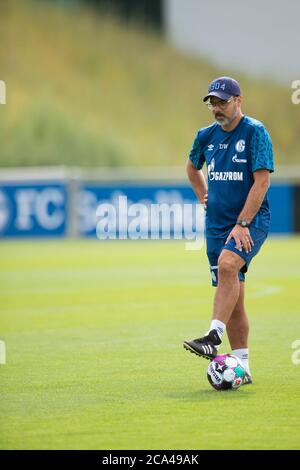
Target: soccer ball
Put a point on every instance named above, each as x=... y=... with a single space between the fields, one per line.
x=226 y=372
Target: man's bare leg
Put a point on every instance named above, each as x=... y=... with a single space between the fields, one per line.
x=238 y=332
x=238 y=325
x=228 y=290
x=227 y=294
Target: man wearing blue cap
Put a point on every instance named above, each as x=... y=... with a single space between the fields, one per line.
x=239 y=157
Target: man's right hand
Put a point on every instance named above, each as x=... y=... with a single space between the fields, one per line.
x=204 y=201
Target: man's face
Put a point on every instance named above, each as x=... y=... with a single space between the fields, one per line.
x=225 y=111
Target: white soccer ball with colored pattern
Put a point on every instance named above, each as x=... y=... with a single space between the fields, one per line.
x=226 y=372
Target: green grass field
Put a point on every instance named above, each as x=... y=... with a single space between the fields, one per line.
x=94 y=335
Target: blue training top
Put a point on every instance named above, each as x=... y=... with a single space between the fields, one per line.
x=231 y=159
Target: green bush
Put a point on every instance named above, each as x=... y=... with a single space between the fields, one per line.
x=84 y=89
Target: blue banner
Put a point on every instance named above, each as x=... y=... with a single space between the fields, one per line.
x=281 y=197
x=29 y=210
x=42 y=209
x=146 y=211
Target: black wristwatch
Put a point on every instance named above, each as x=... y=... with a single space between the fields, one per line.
x=243 y=223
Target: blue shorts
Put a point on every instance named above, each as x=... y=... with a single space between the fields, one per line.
x=214 y=247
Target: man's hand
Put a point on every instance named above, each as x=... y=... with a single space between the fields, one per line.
x=204 y=201
x=198 y=182
x=242 y=238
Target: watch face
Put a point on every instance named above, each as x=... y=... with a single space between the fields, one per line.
x=243 y=223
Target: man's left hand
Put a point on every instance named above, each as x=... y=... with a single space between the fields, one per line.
x=242 y=238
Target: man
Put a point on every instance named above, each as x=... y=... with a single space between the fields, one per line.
x=239 y=157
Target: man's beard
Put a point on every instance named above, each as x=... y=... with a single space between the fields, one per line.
x=225 y=121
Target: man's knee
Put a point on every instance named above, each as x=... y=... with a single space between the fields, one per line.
x=229 y=263
x=227 y=267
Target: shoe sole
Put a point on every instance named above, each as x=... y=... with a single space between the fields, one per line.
x=247 y=383
x=189 y=348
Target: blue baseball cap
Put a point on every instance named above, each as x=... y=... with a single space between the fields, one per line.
x=223 y=88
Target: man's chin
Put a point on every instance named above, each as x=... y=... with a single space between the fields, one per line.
x=222 y=121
